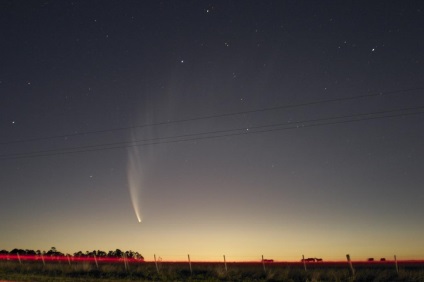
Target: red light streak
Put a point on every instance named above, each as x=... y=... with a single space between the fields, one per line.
x=46 y=258
x=68 y=258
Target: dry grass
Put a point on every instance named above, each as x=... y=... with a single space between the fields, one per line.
x=85 y=271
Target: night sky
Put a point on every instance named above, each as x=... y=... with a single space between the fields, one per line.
x=241 y=128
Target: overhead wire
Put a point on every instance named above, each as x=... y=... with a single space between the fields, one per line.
x=222 y=133
x=311 y=103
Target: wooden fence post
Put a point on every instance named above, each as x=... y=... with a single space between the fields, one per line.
x=304 y=262
x=263 y=263
x=95 y=260
x=189 y=262
x=396 y=265
x=350 y=264
x=125 y=261
x=225 y=264
x=156 y=263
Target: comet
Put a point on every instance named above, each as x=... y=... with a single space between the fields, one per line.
x=135 y=180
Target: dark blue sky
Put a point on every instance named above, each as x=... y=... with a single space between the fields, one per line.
x=82 y=74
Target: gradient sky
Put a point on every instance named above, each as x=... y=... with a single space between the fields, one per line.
x=71 y=68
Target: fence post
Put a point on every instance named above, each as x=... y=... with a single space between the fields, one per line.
x=350 y=264
x=69 y=259
x=42 y=258
x=125 y=261
x=263 y=263
x=304 y=262
x=95 y=260
x=225 y=264
x=396 y=265
x=156 y=263
x=19 y=258
x=189 y=262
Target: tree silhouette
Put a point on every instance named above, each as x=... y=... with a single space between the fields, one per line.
x=17 y=251
x=30 y=252
x=118 y=253
x=53 y=252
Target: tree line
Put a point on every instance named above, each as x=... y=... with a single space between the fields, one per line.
x=55 y=253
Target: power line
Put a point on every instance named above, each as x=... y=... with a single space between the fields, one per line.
x=213 y=132
x=222 y=133
x=219 y=115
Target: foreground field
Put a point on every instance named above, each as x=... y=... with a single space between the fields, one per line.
x=210 y=271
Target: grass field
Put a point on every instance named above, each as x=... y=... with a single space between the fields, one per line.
x=13 y=270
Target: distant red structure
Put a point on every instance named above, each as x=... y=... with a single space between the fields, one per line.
x=268 y=260
x=308 y=260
